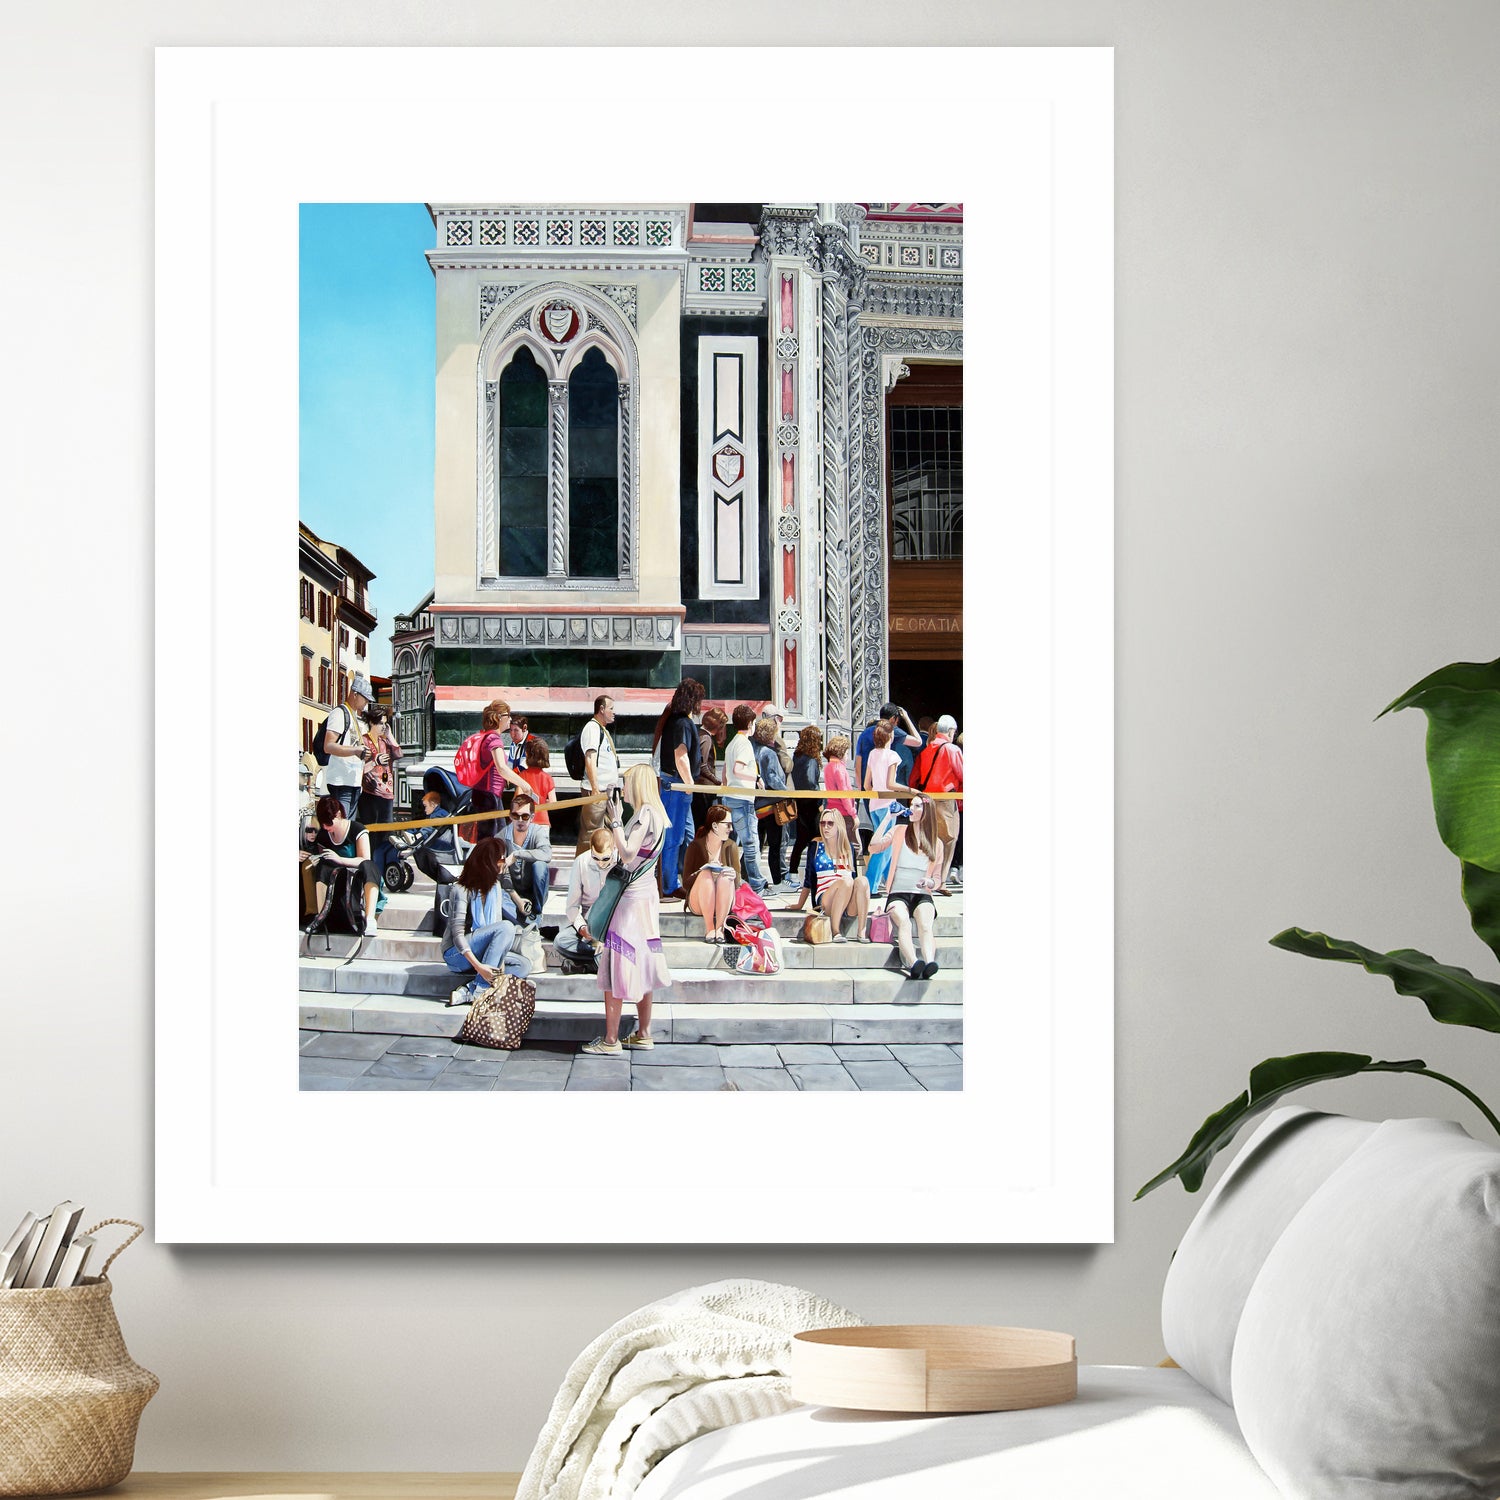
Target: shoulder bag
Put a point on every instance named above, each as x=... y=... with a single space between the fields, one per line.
x=816 y=928
x=500 y=1015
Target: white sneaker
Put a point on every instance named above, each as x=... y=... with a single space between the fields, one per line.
x=461 y=996
x=372 y=928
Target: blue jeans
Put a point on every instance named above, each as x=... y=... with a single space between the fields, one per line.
x=492 y=947
x=679 y=810
x=348 y=796
x=747 y=836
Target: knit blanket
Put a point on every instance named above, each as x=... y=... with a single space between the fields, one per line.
x=691 y=1363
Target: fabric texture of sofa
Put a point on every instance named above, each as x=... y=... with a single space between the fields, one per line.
x=1334 y=1308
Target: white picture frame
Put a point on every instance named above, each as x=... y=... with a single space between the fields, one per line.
x=1025 y=1153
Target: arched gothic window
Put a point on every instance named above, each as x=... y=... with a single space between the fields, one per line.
x=557 y=372
x=593 y=469
x=523 y=467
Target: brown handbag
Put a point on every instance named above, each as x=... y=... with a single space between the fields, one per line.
x=816 y=928
x=784 y=812
x=499 y=1016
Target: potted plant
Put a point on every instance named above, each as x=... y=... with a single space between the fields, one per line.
x=1462 y=704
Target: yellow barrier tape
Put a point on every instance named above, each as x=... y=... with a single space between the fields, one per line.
x=484 y=817
x=823 y=794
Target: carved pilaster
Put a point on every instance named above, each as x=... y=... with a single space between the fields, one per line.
x=837 y=639
x=627 y=487
x=489 y=553
x=557 y=483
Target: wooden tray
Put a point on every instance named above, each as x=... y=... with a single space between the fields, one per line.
x=934 y=1368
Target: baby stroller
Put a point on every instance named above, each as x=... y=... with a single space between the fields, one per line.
x=444 y=841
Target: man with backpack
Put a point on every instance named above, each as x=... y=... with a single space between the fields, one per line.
x=592 y=761
x=344 y=746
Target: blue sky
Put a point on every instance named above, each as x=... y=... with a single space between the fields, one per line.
x=367 y=340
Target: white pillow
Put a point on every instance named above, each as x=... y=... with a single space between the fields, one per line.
x=1368 y=1356
x=1288 y=1158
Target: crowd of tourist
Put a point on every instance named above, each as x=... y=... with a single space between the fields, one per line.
x=691 y=823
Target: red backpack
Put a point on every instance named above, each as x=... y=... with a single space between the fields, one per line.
x=466 y=764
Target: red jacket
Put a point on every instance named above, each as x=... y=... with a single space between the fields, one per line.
x=939 y=767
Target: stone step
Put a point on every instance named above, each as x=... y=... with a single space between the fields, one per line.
x=434 y=981
x=411 y=911
x=397 y=946
x=562 y=1020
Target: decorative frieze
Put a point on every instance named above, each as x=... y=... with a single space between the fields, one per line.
x=704 y=646
x=580 y=631
x=560 y=229
x=891 y=298
x=728 y=468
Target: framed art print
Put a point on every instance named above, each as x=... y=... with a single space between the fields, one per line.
x=617 y=486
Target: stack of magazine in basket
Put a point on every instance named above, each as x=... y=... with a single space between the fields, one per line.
x=47 y=1251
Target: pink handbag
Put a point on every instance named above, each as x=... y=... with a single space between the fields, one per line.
x=882 y=929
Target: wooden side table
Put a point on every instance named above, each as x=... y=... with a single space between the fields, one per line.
x=294 y=1486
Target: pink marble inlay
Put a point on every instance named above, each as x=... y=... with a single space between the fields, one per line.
x=788 y=480
x=788 y=314
x=788 y=573
x=788 y=399
x=789 y=676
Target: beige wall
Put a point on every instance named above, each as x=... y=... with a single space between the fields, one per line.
x=1308 y=326
x=658 y=457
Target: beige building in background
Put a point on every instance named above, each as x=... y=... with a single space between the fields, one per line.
x=335 y=622
x=320 y=581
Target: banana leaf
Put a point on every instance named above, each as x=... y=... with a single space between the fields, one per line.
x=1269 y=1082
x=1462 y=704
x=1481 y=890
x=1451 y=995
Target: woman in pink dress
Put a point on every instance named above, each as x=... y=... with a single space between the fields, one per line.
x=631 y=964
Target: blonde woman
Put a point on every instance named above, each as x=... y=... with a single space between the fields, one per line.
x=830 y=880
x=916 y=867
x=631 y=964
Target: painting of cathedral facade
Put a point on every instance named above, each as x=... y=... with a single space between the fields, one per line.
x=712 y=440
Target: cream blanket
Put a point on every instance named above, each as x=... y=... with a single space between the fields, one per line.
x=701 y=1359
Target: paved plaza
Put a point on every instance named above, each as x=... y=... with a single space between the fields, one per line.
x=364 y=1062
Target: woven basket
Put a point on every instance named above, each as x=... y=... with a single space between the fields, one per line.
x=70 y=1394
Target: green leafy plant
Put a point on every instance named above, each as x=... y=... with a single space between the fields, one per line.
x=1462 y=704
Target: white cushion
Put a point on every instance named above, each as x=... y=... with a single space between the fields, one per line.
x=1132 y=1434
x=1368 y=1356
x=1287 y=1159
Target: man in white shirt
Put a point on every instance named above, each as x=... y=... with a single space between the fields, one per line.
x=602 y=765
x=347 y=751
x=574 y=943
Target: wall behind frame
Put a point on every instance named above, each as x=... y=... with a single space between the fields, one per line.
x=1307 y=452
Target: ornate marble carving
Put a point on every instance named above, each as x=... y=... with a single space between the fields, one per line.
x=789 y=622
x=704 y=646
x=788 y=528
x=557 y=477
x=837 y=642
x=888 y=298
x=626 y=298
x=488 y=542
x=490 y=297
x=555 y=632
x=787 y=231
x=628 y=522
x=786 y=346
x=786 y=435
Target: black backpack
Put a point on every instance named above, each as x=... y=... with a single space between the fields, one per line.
x=320 y=738
x=575 y=760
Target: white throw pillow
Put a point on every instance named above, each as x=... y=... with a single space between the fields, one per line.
x=1288 y=1158
x=1368 y=1356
